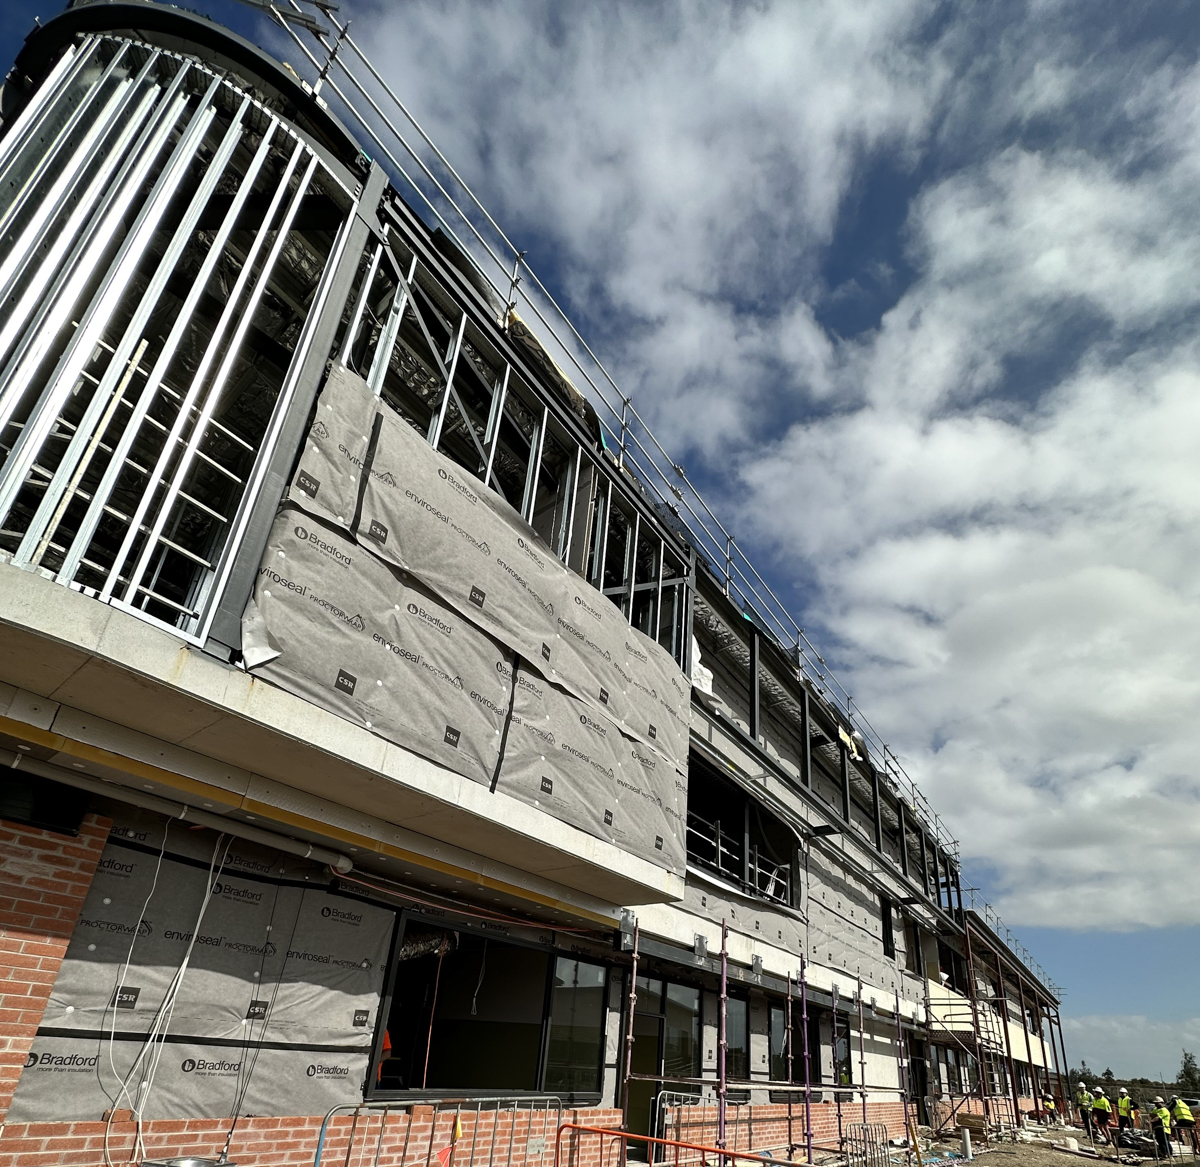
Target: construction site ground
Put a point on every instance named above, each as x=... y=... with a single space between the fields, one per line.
x=1038 y=1147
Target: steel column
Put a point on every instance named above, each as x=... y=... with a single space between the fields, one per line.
x=876 y=811
x=845 y=759
x=806 y=744
x=755 y=649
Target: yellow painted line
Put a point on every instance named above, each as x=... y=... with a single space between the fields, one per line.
x=194 y=787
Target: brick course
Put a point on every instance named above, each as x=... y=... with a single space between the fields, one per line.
x=44 y=879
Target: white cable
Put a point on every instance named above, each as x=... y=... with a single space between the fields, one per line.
x=112 y=1038
x=162 y=1017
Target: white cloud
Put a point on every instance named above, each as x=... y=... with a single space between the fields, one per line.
x=995 y=493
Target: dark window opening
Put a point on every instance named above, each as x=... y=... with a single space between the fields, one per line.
x=843 y=1064
x=39 y=802
x=731 y=835
x=667 y=1041
x=914 y=957
x=952 y=968
x=888 y=933
x=466 y=1014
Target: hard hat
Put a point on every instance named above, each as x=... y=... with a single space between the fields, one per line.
x=1098 y=1090
x=1158 y=1099
x=1122 y=1091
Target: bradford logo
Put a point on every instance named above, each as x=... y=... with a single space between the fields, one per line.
x=31 y=1060
x=413 y=610
x=586 y=721
x=302 y=533
x=308 y=484
x=188 y=1065
x=345 y=682
x=318 y=429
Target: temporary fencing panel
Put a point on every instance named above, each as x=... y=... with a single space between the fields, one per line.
x=350 y=634
x=278 y=1000
x=399 y=617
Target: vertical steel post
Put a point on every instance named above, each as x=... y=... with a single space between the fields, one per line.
x=755 y=649
x=902 y=827
x=791 y=1141
x=845 y=756
x=862 y=1051
x=837 y=1094
x=924 y=864
x=1064 y=1094
x=728 y=563
x=876 y=810
x=806 y=744
x=629 y=1030
x=722 y=1037
x=808 y=1136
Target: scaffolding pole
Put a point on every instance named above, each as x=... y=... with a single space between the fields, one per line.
x=629 y=1030
x=904 y=1078
x=791 y=1141
x=807 y=1064
x=722 y=1037
x=862 y=1052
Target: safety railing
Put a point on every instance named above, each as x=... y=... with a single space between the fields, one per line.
x=499 y=1131
x=867 y=1145
x=614 y=1147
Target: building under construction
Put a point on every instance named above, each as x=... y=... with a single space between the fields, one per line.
x=388 y=727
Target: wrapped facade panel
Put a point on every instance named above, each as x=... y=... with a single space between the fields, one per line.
x=282 y=978
x=350 y=634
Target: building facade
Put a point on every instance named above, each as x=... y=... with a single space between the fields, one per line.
x=373 y=730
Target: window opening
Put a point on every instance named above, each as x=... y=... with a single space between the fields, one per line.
x=914 y=958
x=646 y=581
x=555 y=481
x=843 y=1061
x=887 y=930
x=729 y=834
x=466 y=1013
x=737 y=1037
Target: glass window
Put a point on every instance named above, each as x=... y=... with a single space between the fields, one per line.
x=842 y=1064
x=681 y=1054
x=778 y=1035
x=649 y=995
x=737 y=1037
x=576 y=1027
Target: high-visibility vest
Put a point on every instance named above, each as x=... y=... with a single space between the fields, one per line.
x=1102 y=1104
x=1181 y=1110
x=1125 y=1106
x=1050 y=1104
x=1163 y=1117
x=1084 y=1100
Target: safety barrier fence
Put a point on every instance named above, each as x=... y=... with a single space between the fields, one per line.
x=448 y=1132
x=614 y=1145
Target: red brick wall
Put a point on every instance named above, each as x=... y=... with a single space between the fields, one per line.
x=44 y=879
x=765 y=1128
x=259 y=1142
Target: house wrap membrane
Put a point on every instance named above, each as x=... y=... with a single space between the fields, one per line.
x=278 y=1001
x=400 y=593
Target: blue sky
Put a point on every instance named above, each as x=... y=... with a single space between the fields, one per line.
x=911 y=288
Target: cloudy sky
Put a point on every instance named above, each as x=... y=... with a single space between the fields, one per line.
x=912 y=288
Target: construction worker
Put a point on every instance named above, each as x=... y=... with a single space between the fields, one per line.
x=1126 y=1112
x=1083 y=1103
x=1049 y=1110
x=1101 y=1114
x=1185 y=1124
x=1160 y=1124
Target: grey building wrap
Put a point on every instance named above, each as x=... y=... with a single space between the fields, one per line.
x=406 y=617
x=279 y=998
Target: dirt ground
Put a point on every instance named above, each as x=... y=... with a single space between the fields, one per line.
x=1039 y=1152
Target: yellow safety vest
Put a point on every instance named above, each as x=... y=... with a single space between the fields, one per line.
x=1083 y=1100
x=1102 y=1104
x=1182 y=1111
x=1163 y=1116
x=1125 y=1106
x=1050 y=1104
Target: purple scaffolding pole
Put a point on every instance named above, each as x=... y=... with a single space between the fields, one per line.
x=807 y=1072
